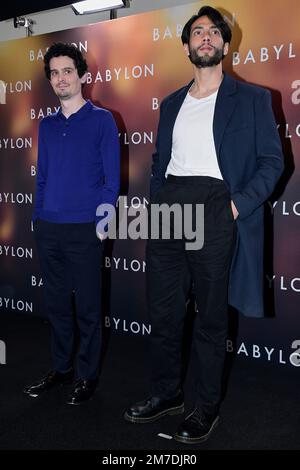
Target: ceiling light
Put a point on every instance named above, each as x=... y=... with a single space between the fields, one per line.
x=92 y=6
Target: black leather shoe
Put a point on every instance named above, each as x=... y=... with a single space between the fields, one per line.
x=154 y=408
x=52 y=379
x=82 y=391
x=197 y=427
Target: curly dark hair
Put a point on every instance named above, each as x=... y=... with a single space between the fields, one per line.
x=61 y=49
x=215 y=16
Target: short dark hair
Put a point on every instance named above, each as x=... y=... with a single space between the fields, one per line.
x=61 y=49
x=215 y=16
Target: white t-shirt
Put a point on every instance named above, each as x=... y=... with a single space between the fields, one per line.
x=193 y=148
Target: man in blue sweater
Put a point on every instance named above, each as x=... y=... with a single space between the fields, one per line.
x=78 y=169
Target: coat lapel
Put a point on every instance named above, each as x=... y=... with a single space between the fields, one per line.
x=225 y=104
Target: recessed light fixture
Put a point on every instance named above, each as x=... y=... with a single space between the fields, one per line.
x=92 y=6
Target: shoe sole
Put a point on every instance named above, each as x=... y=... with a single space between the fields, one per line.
x=197 y=440
x=170 y=411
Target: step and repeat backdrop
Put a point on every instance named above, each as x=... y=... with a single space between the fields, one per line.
x=133 y=63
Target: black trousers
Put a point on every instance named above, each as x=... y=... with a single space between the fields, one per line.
x=169 y=264
x=70 y=256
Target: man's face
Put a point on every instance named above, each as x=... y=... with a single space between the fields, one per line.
x=64 y=77
x=206 y=47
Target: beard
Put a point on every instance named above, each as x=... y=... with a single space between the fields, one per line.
x=63 y=95
x=206 y=60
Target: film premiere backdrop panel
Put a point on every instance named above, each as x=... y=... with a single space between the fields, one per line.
x=118 y=75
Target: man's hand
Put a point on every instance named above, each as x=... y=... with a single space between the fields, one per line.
x=234 y=210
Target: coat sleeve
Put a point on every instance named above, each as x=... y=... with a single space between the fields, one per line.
x=156 y=177
x=269 y=159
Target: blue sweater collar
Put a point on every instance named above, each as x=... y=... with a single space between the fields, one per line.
x=78 y=115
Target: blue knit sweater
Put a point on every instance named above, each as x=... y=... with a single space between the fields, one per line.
x=78 y=165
